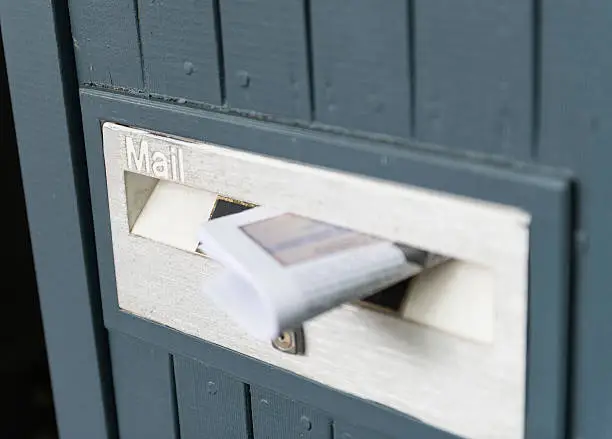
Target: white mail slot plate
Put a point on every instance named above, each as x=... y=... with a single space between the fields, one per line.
x=454 y=357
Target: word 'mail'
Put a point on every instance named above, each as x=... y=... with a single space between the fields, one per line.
x=165 y=162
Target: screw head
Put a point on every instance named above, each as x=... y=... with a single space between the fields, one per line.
x=305 y=423
x=211 y=388
x=284 y=341
x=291 y=342
x=188 y=67
x=244 y=80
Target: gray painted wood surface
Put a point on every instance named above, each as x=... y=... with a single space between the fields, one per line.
x=361 y=64
x=179 y=48
x=576 y=133
x=473 y=67
x=266 y=59
x=211 y=404
x=275 y=416
x=144 y=389
x=346 y=430
x=455 y=73
x=45 y=108
x=106 y=42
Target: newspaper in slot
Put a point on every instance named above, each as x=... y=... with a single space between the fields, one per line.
x=281 y=269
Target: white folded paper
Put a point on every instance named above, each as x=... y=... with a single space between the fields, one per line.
x=282 y=269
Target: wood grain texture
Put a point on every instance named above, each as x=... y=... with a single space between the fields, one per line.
x=210 y=403
x=275 y=416
x=361 y=64
x=144 y=390
x=474 y=75
x=351 y=349
x=266 y=60
x=106 y=42
x=179 y=49
x=576 y=133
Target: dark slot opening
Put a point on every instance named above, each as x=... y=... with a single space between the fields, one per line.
x=225 y=206
x=390 y=299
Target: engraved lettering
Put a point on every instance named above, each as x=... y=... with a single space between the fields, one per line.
x=166 y=163
x=173 y=160
x=135 y=161
x=181 y=168
x=160 y=166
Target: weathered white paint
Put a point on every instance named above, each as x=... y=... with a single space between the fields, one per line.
x=473 y=389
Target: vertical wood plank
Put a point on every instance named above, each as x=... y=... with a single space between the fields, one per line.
x=210 y=403
x=179 y=49
x=278 y=417
x=106 y=42
x=576 y=132
x=474 y=75
x=265 y=52
x=361 y=64
x=45 y=107
x=144 y=389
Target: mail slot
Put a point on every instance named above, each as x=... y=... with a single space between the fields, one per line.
x=450 y=351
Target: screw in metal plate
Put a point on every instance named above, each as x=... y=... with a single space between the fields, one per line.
x=291 y=342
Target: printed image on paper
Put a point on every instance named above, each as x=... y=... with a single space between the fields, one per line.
x=291 y=239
